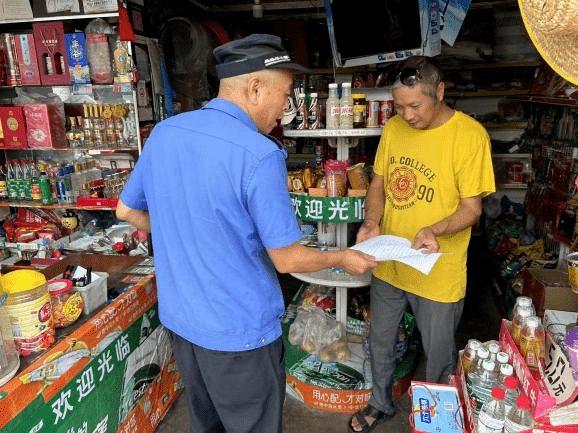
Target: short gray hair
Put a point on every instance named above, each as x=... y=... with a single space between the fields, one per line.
x=427 y=73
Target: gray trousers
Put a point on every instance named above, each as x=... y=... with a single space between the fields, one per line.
x=437 y=323
x=232 y=392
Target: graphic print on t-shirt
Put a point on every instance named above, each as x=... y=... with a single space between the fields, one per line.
x=404 y=187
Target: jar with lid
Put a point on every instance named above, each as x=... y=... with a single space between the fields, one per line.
x=66 y=302
x=359 y=108
x=29 y=309
x=9 y=359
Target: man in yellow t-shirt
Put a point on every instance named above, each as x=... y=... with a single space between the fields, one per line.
x=432 y=168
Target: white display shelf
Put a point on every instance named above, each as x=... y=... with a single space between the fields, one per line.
x=332 y=133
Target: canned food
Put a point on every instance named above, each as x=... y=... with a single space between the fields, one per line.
x=372 y=115
x=385 y=111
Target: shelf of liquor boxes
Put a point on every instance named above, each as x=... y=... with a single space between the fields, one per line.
x=59 y=17
x=550 y=391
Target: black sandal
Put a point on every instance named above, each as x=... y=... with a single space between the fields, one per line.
x=369 y=411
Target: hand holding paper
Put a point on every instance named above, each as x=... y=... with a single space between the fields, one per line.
x=387 y=247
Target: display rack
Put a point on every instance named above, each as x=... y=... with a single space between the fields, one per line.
x=342 y=140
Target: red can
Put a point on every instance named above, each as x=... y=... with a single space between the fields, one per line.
x=385 y=111
x=372 y=114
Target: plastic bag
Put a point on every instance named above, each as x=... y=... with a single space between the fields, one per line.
x=318 y=333
x=97 y=50
x=336 y=175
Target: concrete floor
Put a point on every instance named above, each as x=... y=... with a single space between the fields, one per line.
x=480 y=320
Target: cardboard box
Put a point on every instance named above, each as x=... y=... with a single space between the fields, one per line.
x=45 y=126
x=12 y=127
x=549 y=290
x=27 y=62
x=51 y=53
x=77 y=58
x=435 y=408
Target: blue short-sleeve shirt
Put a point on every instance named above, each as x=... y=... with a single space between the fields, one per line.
x=216 y=192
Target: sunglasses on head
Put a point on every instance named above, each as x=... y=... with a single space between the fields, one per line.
x=409 y=76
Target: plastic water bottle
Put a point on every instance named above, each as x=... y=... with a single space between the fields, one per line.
x=481 y=354
x=332 y=108
x=470 y=355
x=493 y=413
x=502 y=358
x=506 y=370
x=522 y=301
x=512 y=392
x=494 y=349
x=518 y=322
x=519 y=418
x=480 y=386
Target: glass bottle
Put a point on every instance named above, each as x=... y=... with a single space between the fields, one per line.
x=346 y=107
x=493 y=413
x=35 y=192
x=332 y=108
x=3 y=185
x=519 y=418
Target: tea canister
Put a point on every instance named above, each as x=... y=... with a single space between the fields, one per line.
x=29 y=310
x=9 y=359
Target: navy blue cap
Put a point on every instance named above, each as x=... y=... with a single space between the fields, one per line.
x=253 y=53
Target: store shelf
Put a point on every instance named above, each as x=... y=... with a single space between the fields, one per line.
x=553 y=100
x=511 y=155
x=511 y=186
x=505 y=125
x=329 y=277
x=113 y=14
x=52 y=206
x=486 y=93
x=485 y=65
x=331 y=133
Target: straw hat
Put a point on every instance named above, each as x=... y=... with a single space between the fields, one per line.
x=553 y=28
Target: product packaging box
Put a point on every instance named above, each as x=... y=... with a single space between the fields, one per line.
x=436 y=408
x=549 y=290
x=77 y=58
x=12 y=127
x=27 y=62
x=45 y=126
x=51 y=53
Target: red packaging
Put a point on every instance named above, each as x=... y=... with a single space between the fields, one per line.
x=45 y=126
x=385 y=111
x=12 y=127
x=51 y=52
x=26 y=56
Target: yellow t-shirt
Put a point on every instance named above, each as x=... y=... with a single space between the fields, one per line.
x=426 y=174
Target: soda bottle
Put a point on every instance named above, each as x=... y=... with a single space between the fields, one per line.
x=480 y=386
x=301 y=117
x=512 y=392
x=470 y=354
x=532 y=342
x=3 y=185
x=519 y=418
x=346 y=107
x=522 y=301
x=493 y=413
x=518 y=322
x=314 y=120
x=332 y=108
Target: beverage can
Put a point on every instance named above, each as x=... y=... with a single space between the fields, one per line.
x=60 y=190
x=385 y=111
x=372 y=115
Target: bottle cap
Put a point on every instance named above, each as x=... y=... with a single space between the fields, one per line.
x=488 y=364
x=332 y=85
x=483 y=353
x=511 y=382
x=524 y=301
x=346 y=84
x=498 y=393
x=493 y=348
x=533 y=321
x=523 y=402
x=506 y=370
x=474 y=344
x=502 y=357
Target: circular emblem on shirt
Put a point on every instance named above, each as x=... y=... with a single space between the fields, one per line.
x=402 y=183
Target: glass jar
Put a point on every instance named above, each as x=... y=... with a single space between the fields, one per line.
x=359 y=108
x=66 y=302
x=29 y=309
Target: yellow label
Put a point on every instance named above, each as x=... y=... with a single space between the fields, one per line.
x=533 y=350
x=73 y=307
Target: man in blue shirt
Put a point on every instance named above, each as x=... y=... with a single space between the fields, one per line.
x=212 y=189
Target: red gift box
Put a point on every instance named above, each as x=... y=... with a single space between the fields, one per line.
x=26 y=55
x=12 y=127
x=51 y=53
x=44 y=126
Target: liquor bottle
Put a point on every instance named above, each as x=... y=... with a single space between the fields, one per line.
x=346 y=107
x=301 y=117
x=3 y=185
x=11 y=181
x=332 y=108
x=35 y=192
x=493 y=413
x=87 y=126
x=314 y=120
x=519 y=418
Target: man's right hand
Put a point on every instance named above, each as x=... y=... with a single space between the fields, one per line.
x=368 y=230
x=356 y=263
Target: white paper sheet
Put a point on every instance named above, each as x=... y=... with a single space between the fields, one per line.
x=387 y=247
